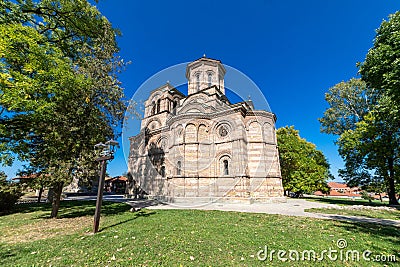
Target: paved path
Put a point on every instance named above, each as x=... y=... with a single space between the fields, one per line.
x=293 y=207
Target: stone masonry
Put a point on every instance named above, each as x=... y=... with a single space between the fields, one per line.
x=201 y=147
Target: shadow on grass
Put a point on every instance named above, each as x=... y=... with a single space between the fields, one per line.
x=140 y=204
x=142 y=213
x=348 y=202
x=27 y=208
x=11 y=251
x=6 y=252
x=390 y=235
x=71 y=208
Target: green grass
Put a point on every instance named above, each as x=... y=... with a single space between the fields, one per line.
x=346 y=201
x=379 y=214
x=176 y=237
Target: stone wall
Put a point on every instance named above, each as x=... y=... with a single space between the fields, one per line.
x=201 y=146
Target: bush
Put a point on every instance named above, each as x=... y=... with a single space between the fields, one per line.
x=366 y=196
x=9 y=193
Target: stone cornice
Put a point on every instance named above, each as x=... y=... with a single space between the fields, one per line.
x=210 y=61
x=235 y=109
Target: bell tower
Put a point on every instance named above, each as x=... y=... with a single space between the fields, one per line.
x=204 y=73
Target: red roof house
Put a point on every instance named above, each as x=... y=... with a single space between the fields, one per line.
x=340 y=190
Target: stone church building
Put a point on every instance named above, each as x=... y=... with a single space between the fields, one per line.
x=201 y=147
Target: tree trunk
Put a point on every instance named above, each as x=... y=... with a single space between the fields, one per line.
x=40 y=194
x=392 y=189
x=56 y=199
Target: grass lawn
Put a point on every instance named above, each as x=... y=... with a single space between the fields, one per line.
x=347 y=201
x=371 y=213
x=179 y=238
x=380 y=214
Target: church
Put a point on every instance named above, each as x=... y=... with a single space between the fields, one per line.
x=203 y=148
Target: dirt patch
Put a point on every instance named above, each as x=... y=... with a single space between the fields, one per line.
x=43 y=229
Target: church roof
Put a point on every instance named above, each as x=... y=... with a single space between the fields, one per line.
x=204 y=58
x=171 y=89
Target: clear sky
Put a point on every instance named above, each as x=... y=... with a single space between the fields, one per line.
x=293 y=50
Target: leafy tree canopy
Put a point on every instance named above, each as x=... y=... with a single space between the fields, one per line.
x=381 y=68
x=365 y=114
x=367 y=125
x=59 y=90
x=304 y=168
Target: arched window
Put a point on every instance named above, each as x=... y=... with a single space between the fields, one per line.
x=153 y=108
x=209 y=79
x=226 y=167
x=174 y=106
x=178 y=167
x=158 y=105
x=163 y=171
x=198 y=81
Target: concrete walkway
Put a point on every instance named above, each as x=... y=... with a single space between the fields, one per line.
x=293 y=207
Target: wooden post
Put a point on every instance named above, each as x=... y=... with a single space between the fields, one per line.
x=103 y=162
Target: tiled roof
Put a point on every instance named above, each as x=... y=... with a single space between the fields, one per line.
x=346 y=194
x=337 y=185
x=117 y=178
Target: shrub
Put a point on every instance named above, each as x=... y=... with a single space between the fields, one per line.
x=9 y=193
x=366 y=196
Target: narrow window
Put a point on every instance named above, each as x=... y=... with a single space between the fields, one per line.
x=174 y=107
x=153 y=108
x=158 y=105
x=178 y=168
x=198 y=81
x=209 y=79
x=163 y=171
x=226 y=167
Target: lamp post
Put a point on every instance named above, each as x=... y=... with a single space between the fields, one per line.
x=106 y=153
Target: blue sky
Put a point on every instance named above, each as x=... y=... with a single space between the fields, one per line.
x=293 y=50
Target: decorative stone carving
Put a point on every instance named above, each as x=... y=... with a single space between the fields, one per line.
x=204 y=148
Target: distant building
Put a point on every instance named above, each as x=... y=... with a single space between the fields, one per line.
x=202 y=146
x=340 y=190
x=116 y=184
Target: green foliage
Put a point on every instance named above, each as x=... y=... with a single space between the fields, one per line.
x=365 y=195
x=370 y=143
x=9 y=193
x=59 y=88
x=377 y=144
x=348 y=102
x=369 y=135
x=381 y=68
x=304 y=168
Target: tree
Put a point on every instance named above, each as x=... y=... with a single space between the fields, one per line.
x=349 y=102
x=370 y=145
x=304 y=168
x=381 y=69
x=368 y=133
x=59 y=89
